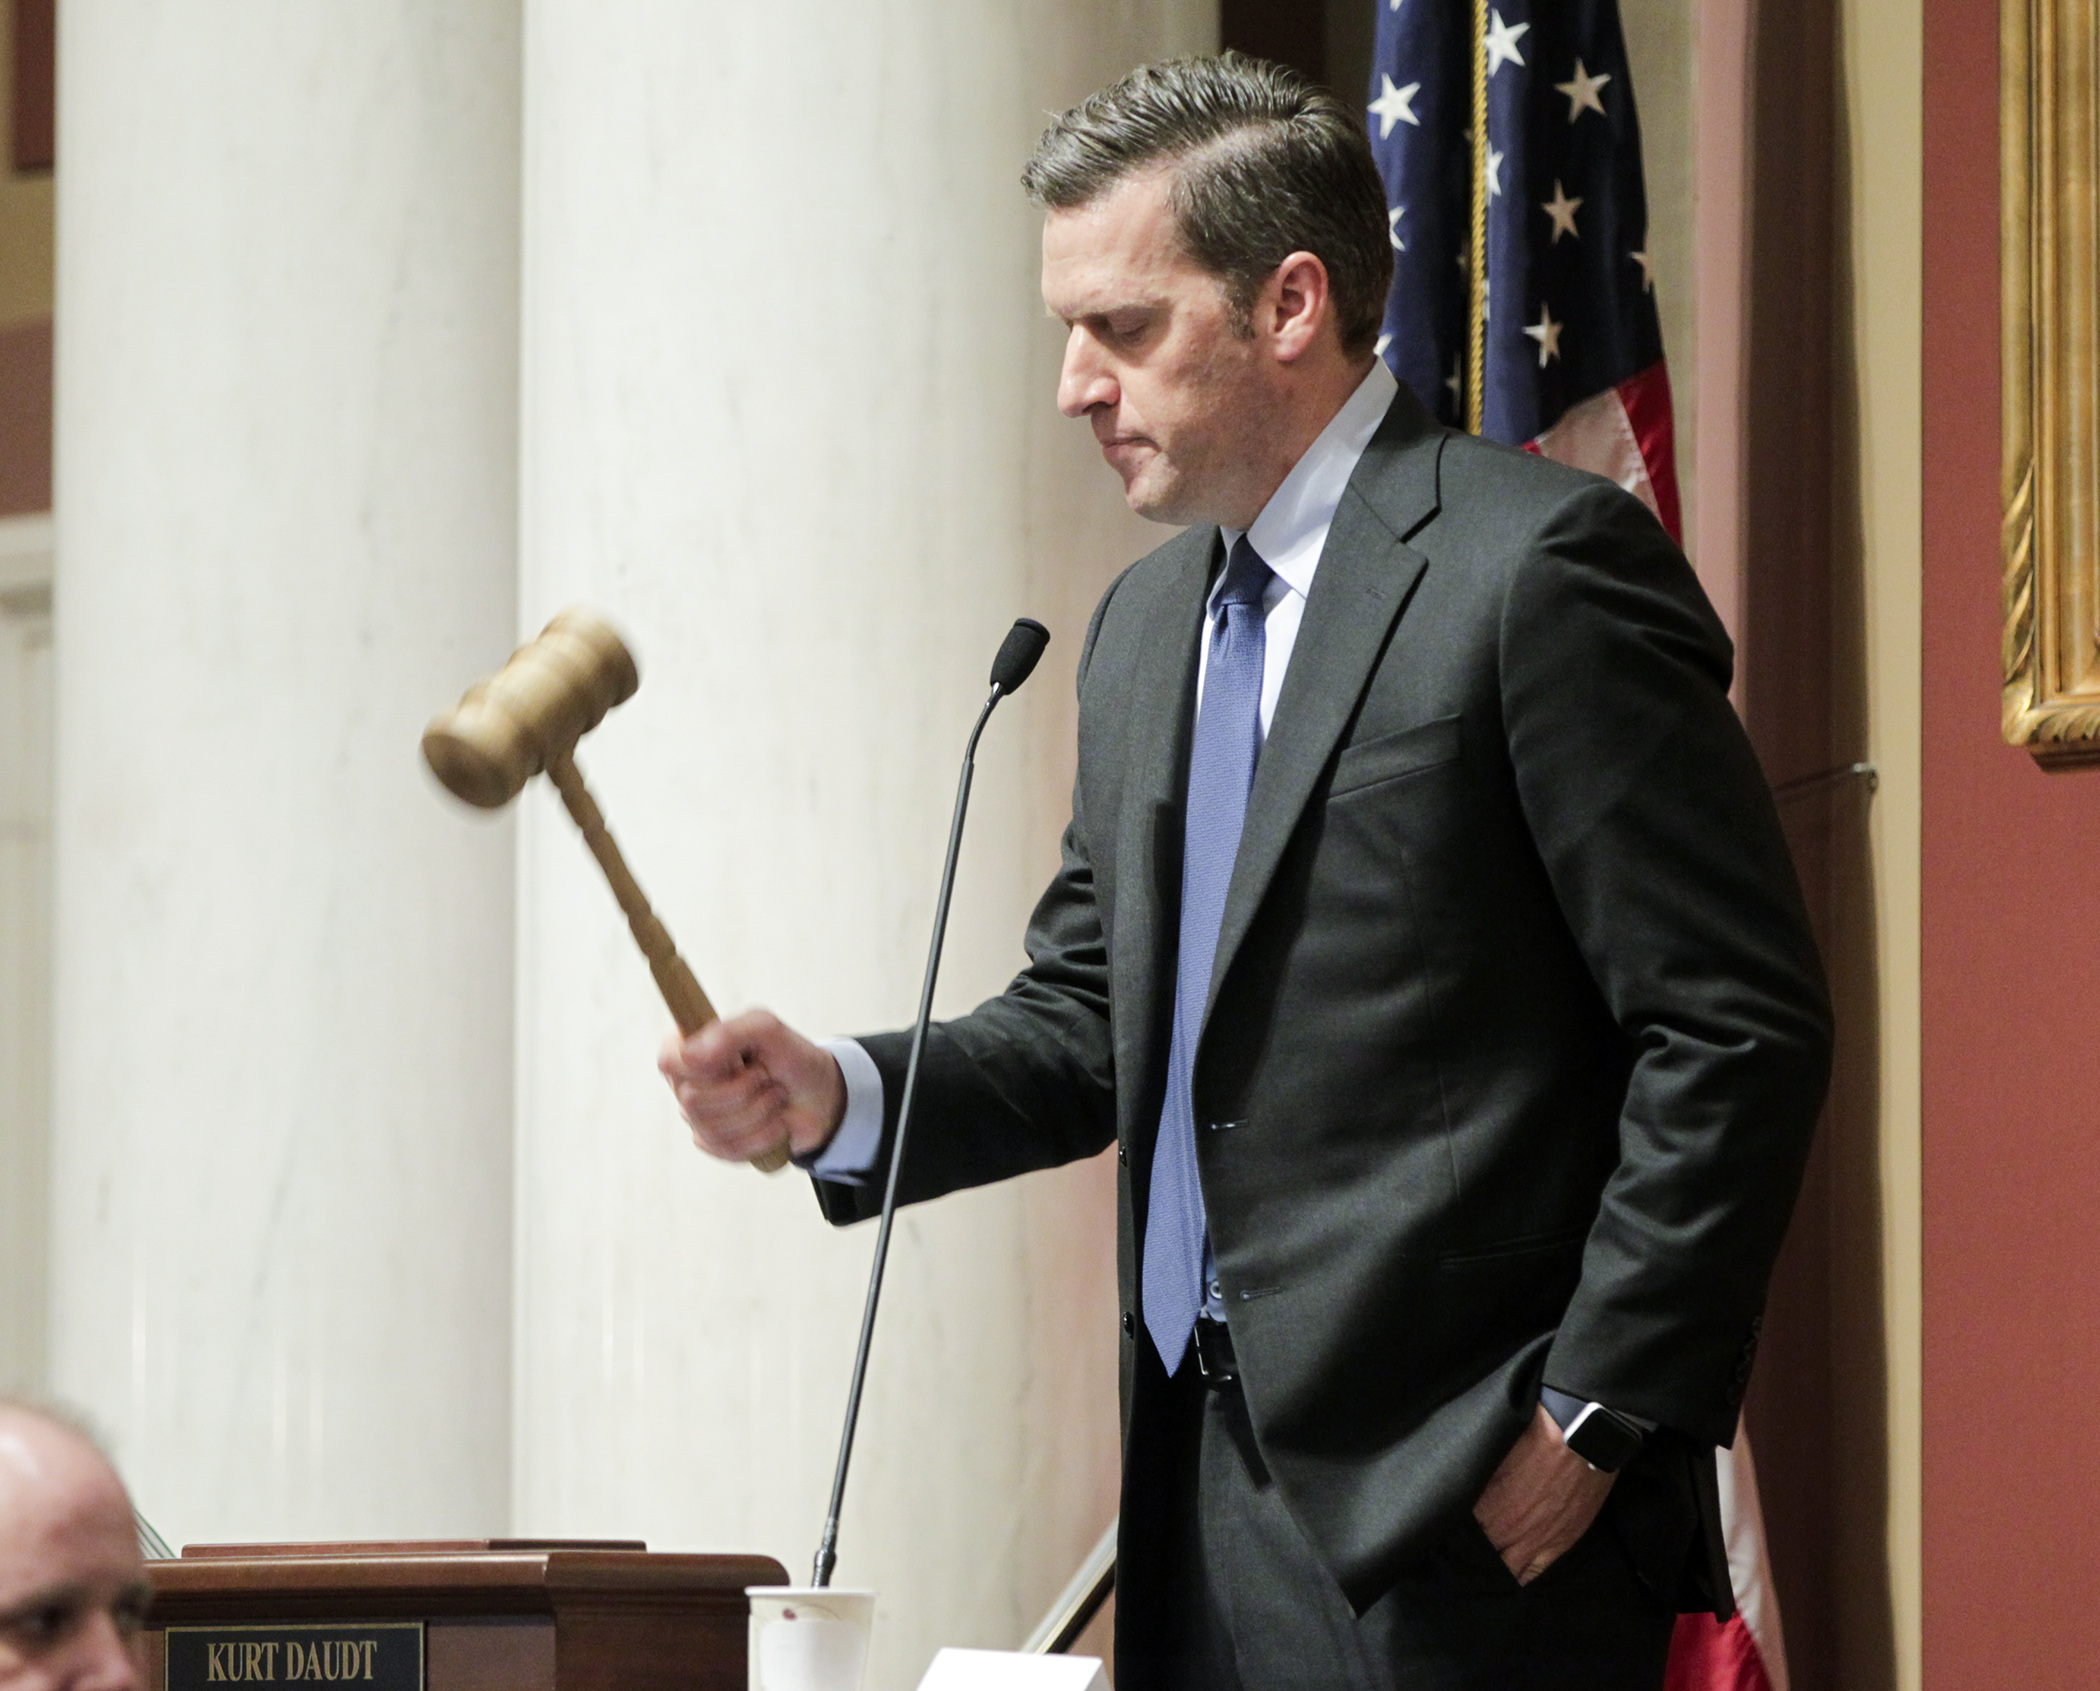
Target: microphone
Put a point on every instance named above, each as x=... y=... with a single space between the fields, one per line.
x=1019 y=653
x=1018 y=656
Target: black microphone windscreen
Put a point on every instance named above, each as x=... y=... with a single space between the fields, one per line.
x=1019 y=654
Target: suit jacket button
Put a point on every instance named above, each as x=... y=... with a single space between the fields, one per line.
x=1129 y=1326
x=1123 y=1155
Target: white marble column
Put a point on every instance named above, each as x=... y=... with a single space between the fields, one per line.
x=286 y=441
x=788 y=415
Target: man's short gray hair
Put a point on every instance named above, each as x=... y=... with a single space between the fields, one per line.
x=1265 y=165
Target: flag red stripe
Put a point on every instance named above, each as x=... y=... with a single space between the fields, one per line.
x=1647 y=401
x=1708 y=1655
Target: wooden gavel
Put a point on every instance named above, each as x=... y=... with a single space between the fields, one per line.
x=527 y=717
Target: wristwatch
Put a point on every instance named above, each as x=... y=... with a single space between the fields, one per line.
x=1602 y=1437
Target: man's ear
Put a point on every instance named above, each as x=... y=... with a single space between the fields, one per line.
x=1295 y=306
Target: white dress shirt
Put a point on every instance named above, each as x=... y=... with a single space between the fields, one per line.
x=1289 y=535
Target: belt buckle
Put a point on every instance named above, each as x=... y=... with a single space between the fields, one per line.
x=1215 y=1358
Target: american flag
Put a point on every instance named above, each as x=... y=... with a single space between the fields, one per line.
x=1574 y=357
x=1572 y=368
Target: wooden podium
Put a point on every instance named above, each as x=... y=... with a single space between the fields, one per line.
x=453 y=1615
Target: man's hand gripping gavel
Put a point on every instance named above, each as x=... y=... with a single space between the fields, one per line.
x=751 y=1085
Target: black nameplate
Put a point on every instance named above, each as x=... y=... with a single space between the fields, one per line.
x=382 y=1655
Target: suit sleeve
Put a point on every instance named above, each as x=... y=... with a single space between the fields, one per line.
x=1027 y=1079
x=1659 y=835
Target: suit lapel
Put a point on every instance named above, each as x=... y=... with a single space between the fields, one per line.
x=1366 y=574
x=1148 y=842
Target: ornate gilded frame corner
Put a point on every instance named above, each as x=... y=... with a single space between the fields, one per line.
x=2050 y=264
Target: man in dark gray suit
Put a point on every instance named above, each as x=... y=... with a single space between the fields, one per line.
x=1425 y=939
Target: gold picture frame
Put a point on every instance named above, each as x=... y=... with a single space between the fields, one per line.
x=2051 y=369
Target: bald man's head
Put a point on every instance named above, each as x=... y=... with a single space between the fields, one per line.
x=73 y=1590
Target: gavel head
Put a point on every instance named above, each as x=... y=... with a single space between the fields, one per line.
x=554 y=690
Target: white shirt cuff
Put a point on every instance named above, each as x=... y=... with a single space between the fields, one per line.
x=850 y=1156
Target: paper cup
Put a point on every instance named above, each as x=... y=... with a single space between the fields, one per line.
x=809 y=1638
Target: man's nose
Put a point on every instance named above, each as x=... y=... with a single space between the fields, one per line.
x=1085 y=381
x=104 y=1659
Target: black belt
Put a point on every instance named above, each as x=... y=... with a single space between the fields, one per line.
x=1215 y=1360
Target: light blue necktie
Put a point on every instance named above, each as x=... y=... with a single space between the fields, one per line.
x=1221 y=773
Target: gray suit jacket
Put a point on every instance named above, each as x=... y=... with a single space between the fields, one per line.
x=1516 y=1034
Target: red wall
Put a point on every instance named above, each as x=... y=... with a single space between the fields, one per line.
x=2011 y=1007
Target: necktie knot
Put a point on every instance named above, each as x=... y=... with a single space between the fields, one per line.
x=1247 y=577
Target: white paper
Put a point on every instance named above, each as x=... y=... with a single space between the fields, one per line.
x=1009 y=1670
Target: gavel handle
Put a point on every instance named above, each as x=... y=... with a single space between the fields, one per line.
x=688 y=1004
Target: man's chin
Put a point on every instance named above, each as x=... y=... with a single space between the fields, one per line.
x=1155 y=503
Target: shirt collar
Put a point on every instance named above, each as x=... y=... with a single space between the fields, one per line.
x=1292 y=528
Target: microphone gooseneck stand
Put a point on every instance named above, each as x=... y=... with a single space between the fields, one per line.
x=1017 y=659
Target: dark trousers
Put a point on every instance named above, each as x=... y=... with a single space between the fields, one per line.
x=1218 y=1590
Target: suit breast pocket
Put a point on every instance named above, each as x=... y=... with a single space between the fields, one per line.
x=1389 y=757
